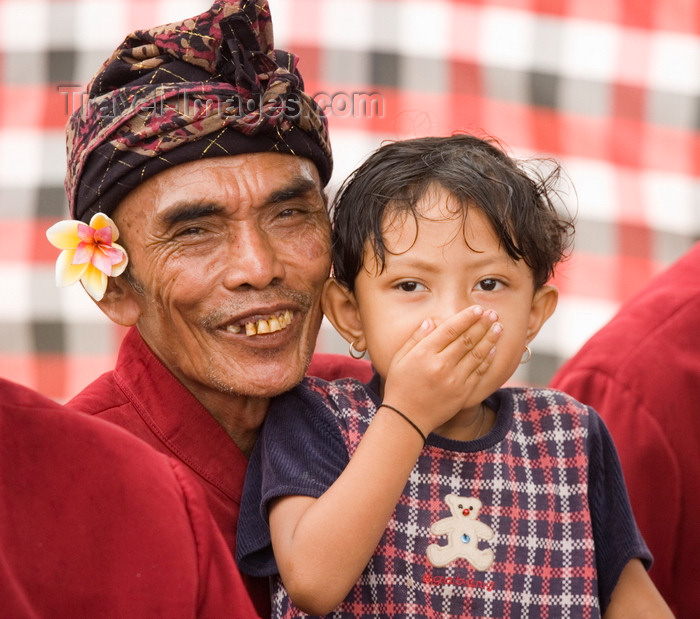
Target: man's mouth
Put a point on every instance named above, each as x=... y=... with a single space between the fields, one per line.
x=271 y=324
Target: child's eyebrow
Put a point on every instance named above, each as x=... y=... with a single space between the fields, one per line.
x=481 y=260
x=416 y=262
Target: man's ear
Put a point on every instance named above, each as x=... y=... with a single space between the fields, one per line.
x=120 y=302
x=340 y=307
x=544 y=302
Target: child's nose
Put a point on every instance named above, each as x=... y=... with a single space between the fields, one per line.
x=449 y=305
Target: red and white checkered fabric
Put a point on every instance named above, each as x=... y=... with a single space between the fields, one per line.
x=609 y=87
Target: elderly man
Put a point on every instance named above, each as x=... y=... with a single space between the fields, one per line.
x=200 y=143
x=93 y=523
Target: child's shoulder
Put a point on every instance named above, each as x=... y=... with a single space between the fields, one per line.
x=339 y=385
x=549 y=415
x=338 y=394
x=541 y=396
x=544 y=402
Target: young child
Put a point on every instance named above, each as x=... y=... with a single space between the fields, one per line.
x=433 y=491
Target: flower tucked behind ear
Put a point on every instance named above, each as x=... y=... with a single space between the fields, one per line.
x=89 y=253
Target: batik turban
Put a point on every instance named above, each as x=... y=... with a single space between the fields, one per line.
x=208 y=86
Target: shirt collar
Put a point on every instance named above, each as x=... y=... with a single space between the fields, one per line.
x=183 y=425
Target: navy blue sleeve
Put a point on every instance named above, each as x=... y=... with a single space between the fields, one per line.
x=617 y=538
x=300 y=451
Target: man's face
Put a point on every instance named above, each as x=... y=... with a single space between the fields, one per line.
x=230 y=255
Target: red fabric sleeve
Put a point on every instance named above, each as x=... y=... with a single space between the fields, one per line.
x=95 y=523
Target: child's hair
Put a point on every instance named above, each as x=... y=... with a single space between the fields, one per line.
x=515 y=197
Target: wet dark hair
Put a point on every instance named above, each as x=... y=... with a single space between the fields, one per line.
x=517 y=197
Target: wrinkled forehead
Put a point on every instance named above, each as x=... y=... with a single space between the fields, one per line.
x=232 y=182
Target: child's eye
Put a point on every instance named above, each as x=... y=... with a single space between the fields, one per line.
x=411 y=287
x=489 y=284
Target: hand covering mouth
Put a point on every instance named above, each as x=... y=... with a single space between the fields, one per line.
x=271 y=324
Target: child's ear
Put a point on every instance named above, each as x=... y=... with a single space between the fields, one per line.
x=120 y=302
x=544 y=302
x=340 y=307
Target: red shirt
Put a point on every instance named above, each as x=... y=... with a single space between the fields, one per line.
x=142 y=396
x=94 y=523
x=641 y=372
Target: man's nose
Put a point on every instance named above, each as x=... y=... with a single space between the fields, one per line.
x=253 y=259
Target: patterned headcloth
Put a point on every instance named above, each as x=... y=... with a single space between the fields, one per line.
x=208 y=86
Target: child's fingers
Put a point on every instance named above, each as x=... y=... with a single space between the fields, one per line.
x=433 y=351
x=475 y=343
x=467 y=370
x=463 y=335
x=477 y=359
x=464 y=328
x=417 y=336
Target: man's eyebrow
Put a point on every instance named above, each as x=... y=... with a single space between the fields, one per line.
x=188 y=211
x=297 y=188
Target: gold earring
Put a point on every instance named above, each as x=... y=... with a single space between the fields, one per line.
x=354 y=353
x=527 y=355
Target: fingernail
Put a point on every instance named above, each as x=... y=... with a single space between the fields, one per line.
x=425 y=325
x=497 y=328
x=478 y=310
x=493 y=315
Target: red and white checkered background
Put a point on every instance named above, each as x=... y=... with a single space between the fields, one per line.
x=609 y=87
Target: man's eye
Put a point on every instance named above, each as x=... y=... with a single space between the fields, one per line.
x=192 y=230
x=289 y=212
x=411 y=287
x=188 y=232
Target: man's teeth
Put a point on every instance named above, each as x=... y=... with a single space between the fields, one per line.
x=273 y=323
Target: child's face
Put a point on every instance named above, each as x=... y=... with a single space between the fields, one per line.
x=433 y=273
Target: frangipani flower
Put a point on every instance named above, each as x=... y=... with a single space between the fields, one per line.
x=89 y=253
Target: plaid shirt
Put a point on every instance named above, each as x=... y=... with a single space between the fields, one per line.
x=512 y=524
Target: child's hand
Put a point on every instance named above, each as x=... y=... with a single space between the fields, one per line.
x=435 y=373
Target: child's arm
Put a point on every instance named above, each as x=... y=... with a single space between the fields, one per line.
x=322 y=545
x=636 y=597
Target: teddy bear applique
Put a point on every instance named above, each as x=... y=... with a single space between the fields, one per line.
x=463 y=531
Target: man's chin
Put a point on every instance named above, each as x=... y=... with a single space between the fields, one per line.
x=261 y=379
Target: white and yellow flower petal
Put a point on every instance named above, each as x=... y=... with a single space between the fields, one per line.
x=89 y=253
x=68 y=273
x=100 y=220
x=118 y=269
x=95 y=282
x=64 y=234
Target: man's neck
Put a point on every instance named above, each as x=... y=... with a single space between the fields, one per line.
x=241 y=417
